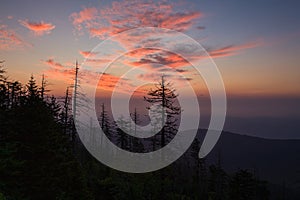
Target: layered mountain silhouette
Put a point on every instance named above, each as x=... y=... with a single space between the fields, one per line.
x=274 y=160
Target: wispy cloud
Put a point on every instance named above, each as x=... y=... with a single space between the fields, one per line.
x=53 y=64
x=84 y=17
x=152 y=57
x=125 y=15
x=177 y=79
x=163 y=58
x=106 y=21
x=234 y=49
x=87 y=54
x=59 y=71
x=9 y=39
x=103 y=22
x=38 y=28
x=66 y=73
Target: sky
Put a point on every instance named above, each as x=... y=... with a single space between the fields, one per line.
x=254 y=44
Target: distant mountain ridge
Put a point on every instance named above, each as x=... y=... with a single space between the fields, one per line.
x=274 y=160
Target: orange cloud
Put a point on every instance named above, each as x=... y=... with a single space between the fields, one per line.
x=39 y=28
x=66 y=74
x=87 y=54
x=112 y=83
x=100 y=32
x=91 y=59
x=59 y=71
x=175 y=78
x=53 y=64
x=180 y=21
x=163 y=58
x=125 y=15
x=155 y=59
x=233 y=49
x=97 y=62
x=84 y=17
x=9 y=39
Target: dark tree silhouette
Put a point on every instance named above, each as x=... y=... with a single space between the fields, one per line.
x=243 y=185
x=104 y=120
x=164 y=96
x=122 y=137
x=218 y=181
x=35 y=156
x=38 y=161
x=65 y=114
x=43 y=89
x=135 y=144
x=32 y=88
x=200 y=171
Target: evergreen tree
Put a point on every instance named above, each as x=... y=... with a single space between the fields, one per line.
x=32 y=91
x=104 y=120
x=3 y=88
x=122 y=138
x=135 y=143
x=2 y=71
x=200 y=171
x=244 y=186
x=65 y=115
x=217 y=183
x=43 y=89
x=164 y=96
x=36 y=161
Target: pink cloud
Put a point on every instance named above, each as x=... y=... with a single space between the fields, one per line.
x=39 y=28
x=53 y=64
x=59 y=71
x=66 y=73
x=84 y=17
x=106 y=21
x=87 y=54
x=164 y=58
x=113 y=83
x=101 y=32
x=9 y=39
x=234 y=49
x=96 y=61
x=180 y=21
x=176 y=78
x=150 y=58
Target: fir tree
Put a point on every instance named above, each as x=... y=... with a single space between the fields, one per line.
x=164 y=96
